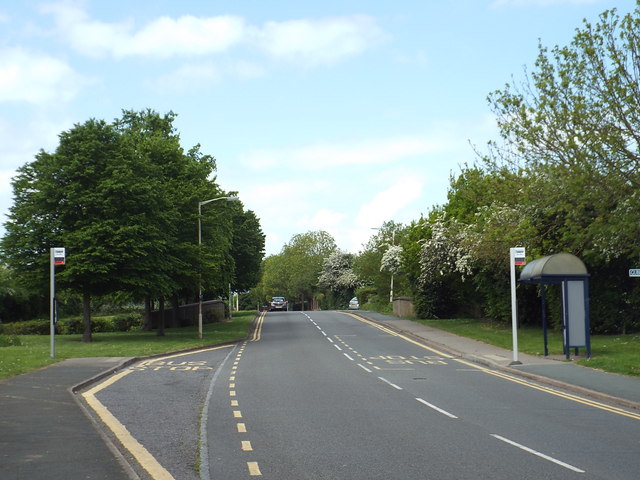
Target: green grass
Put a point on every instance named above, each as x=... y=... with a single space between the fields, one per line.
x=34 y=351
x=611 y=353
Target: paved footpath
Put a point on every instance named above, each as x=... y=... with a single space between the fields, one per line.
x=45 y=433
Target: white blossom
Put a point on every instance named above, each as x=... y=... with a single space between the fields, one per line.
x=337 y=273
x=392 y=260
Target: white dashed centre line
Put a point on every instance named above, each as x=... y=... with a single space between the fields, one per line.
x=538 y=454
x=437 y=409
x=389 y=383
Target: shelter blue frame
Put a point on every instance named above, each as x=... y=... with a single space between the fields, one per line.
x=560 y=268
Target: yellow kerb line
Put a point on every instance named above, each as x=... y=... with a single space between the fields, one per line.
x=567 y=396
x=257 y=333
x=395 y=334
x=141 y=454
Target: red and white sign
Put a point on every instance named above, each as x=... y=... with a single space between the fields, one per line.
x=58 y=256
x=519 y=256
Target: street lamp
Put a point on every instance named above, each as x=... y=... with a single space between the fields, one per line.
x=200 y=204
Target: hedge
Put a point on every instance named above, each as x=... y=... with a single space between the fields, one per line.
x=74 y=326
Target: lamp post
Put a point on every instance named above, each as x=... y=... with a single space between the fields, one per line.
x=200 y=204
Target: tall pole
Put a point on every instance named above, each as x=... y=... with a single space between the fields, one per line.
x=52 y=299
x=200 y=270
x=200 y=204
x=514 y=304
x=393 y=244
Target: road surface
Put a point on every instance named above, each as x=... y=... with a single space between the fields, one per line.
x=326 y=395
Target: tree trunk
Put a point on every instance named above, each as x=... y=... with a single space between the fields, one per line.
x=86 y=317
x=161 y=317
x=147 y=327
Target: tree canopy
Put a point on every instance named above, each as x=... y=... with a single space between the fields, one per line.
x=122 y=198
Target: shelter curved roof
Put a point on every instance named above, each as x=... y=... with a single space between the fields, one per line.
x=557 y=265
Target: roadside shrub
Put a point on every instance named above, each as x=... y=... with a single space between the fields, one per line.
x=365 y=293
x=75 y=325
x=101 y=324
x=10 y=341
x=124 y=322
x=70 y=326
x=127 y=322
x=29 y=327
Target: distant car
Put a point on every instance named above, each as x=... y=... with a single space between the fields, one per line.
x=278 y=303
x=353 y=304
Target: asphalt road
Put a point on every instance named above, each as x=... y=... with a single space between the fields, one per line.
x=324 y=395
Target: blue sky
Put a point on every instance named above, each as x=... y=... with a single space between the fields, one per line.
x=332 y=115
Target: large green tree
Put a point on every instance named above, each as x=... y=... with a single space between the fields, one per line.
x=374 y=270
x=295 y=270
x=574 y=122
x=247 y=249
x=97 y=199
x=122 y=198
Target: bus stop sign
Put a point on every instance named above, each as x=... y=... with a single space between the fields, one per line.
x=58 y=256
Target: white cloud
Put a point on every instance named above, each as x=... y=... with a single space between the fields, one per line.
x=27 y=76
x=187 y=78
x=325 y=219
x=389 y=202
x=368 y=152
x=419 y=58
x=192 y=76
x=307 y=41
x=318 y=41
x=163 y=37
x=271 y=200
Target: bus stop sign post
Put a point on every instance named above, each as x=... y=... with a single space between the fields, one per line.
x=57 y=258
x=516 y=257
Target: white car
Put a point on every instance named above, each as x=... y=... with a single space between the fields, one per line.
x=353 y=304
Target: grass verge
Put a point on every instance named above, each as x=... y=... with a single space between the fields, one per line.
x=34 y=351
x=611 y=353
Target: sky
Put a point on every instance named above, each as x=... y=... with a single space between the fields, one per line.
x=336 y=115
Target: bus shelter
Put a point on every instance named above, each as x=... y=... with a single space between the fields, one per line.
x=571 y=274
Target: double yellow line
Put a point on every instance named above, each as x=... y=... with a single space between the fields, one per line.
x=396 y=334
x=552 y=391
x=257 y=332
x=137 y=450
x=549 y=390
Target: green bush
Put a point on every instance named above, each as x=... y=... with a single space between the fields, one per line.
x=127 y=322
x=70 y=326
x=29 y=327
x=75 y=325
x=124 y=322
x=10 y=341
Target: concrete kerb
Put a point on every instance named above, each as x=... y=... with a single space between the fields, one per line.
x=621 y=402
